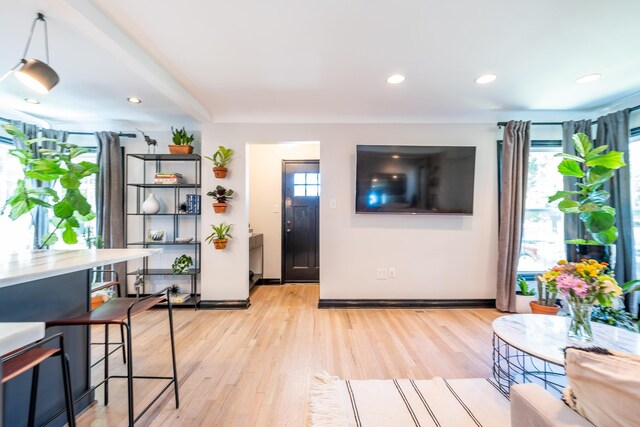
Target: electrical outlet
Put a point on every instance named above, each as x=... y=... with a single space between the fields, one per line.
x=382 y=274
x=392 y=272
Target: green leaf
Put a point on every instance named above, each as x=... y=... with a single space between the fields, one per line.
x=72 y=222
x=599 y=175
x=63 y=209
x=568 y=206
x=89 y=168
x=587 y=206
x=561 y=195
x=23 y=155
x=610 y=160
x=631 y=286
x=599 y=221
x=51 y=239
x=14 y=131
x=591 y=154
x=44 y=191
x=607 y=237
x=570 y=157
x=570 y=168
x=581 y=143
x=598 y=197
x=581 y=242
x=78 y=201
x=70 y=181
x=84 y=218
x=69 y=236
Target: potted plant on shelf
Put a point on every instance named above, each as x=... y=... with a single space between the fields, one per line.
x=221 y=159
x=524 y=296
x=181 y=264
x=592 y=167
x=547 y=293
x=181 y=142
x=219 y=235
x=221 y=195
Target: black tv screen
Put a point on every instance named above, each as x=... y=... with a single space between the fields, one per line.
x=415 y=179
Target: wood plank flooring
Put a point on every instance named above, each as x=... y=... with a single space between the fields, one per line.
x=253 y=367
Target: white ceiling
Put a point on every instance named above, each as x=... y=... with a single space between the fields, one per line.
x=327 y=61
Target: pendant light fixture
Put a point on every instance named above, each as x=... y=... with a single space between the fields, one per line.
x=32 y=72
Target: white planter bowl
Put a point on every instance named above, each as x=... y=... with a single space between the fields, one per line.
x=522 y=303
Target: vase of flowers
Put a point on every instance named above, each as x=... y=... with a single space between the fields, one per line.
x=583 y=284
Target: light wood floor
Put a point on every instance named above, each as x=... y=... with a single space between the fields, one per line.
x=253 y=367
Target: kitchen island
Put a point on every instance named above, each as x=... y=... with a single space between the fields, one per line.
x=38 y=286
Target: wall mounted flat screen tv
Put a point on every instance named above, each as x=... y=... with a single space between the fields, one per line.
x=415 y=179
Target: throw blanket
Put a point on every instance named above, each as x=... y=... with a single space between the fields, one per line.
x=396 y=403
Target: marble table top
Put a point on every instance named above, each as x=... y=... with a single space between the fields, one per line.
x=26 y=266
x=14 y=335
x=545 y=337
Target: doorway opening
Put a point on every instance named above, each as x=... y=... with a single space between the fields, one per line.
x=269 y=212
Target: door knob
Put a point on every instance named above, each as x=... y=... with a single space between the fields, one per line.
x=288 y=230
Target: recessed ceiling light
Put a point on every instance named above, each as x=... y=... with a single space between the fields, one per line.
x=485 y=78
x=395 y=156
x=395 y=79
x=32 y=101
x=395 y=176
x=589 y=78
x=134 y=100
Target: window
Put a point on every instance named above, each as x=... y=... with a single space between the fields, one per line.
x=543 y=229
x=20 y=232
x=306 y=184
x=634 y=159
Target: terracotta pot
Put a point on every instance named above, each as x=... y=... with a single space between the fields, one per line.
x=220 y=243
x=219 y=207
x=180 y=149
x=543 y=309
x=220 y=172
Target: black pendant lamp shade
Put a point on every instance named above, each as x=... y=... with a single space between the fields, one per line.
x=37 y=75
x=34 y=73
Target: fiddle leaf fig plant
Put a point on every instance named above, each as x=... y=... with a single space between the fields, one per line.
x=70 y=209
x=593 y=168
x=222 y=157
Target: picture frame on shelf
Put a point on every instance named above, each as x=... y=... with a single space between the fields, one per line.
x=156 y=236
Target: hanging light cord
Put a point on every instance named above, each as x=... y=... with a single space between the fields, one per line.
x=40 y=17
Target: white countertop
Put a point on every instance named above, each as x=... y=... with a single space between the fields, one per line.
x=14 y=335
x=26 y=266
x=545 y=336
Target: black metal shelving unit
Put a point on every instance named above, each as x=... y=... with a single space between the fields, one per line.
x=141 y=191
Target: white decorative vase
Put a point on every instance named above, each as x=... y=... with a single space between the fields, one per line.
x=522 y=303
x=151 y=205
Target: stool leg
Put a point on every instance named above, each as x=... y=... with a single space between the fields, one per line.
x=130 y=374
x=34 y=395
x=66 y=380
x=124 y=350
x=106 y=365
x=173 y=353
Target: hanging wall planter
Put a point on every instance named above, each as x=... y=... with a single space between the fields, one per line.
x=221 y=195
x=219 y=235
x=221 y=159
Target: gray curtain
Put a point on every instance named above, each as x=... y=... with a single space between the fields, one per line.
x=38 y=215
x=573 y=227
x=613 y=130
x=110 y=195
x=515 y=166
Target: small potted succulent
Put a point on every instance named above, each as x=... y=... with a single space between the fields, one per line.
x=524 y=296
x=221 y=195
x=219 y=235
x=181 y=142
x=221 y=159
x=181 y=264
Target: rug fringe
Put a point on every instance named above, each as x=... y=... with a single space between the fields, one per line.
x=326 y=407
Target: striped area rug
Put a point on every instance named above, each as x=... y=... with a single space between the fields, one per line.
x=397 y=403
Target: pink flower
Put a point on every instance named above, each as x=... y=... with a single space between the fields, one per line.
x=567 y=283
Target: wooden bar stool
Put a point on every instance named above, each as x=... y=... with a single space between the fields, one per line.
x=119 y=311
x=29 y=358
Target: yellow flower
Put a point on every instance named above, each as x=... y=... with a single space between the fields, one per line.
x=562 y=262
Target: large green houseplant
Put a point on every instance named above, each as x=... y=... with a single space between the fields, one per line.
x=592 y=167
x=68 y=210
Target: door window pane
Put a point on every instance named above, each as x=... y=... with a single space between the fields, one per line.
x=298 y=191
x=298 y=178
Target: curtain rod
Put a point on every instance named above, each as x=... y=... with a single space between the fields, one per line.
x=637 y=107
x=124 y=135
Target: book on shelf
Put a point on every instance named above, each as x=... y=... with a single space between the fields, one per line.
x=179 y=298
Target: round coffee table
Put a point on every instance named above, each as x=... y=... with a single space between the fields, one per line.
x=530 y=348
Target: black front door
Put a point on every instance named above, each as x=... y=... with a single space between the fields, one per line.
x=301 y=221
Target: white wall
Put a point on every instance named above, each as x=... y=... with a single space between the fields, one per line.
x=265 y=194
x=436 y=257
